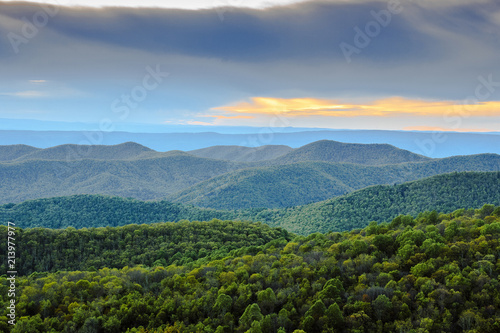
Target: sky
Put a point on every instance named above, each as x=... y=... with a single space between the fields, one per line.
x=340 y=64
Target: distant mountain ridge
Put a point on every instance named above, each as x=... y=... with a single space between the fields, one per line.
x=367 y=154
x=144 y=178
x=13 y=152
x=324 y=150
x=182 y=138
x=72 y=152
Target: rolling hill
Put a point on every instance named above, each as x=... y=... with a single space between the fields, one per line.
x=145 y=178
x=13 y=152
x=71 y=152
x=333 y=151
x=85 y=211
x=306 y=182
x=156 y=244
x=445 y=193
x=296 y=178
x=188 y=138
x=272 y=187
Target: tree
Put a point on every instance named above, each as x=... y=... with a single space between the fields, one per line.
x=284 y=319
x=317 y=310
x=312 y=322
x=223 y=304
x=382 y=306
x=255 y=327
x=252 y=313
x=332 y=291
x=29 y=324
x=467 y=320
x=266 y=300
x=335 y=317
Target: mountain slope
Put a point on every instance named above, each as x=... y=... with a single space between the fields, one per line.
x=333 y=151
x=306 y=182
x=242 y=154
x=280 y=186
x=86 y=211
x=131 y=170
x=144 y=179
x=444 y=193
x=9 y=153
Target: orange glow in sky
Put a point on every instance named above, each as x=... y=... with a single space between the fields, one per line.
x=387 y=107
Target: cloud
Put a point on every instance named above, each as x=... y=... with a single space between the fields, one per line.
x=292 y=107
x=307 y=30
x=387 y=107
x=432 y=51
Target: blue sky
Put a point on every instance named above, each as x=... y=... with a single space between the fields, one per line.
x=414 y=65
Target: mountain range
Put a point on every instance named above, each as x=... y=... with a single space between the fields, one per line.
x=268 y=176
x=188 y=138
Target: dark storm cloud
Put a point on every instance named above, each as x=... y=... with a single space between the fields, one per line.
x=430 y=50
x=306 y=30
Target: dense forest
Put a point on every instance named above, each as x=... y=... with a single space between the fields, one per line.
x=435 y=273
x=162 y=244
x=445 y=193
x=86 y=211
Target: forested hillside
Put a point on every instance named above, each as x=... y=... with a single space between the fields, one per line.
x=93 y=211
x=145 y=179
x=444 y=193
x=307 y=182
x=282 y=186
x=12 y=152
x=436 y=273
x=160 y=244
x=131 y=170
x=367 y=154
